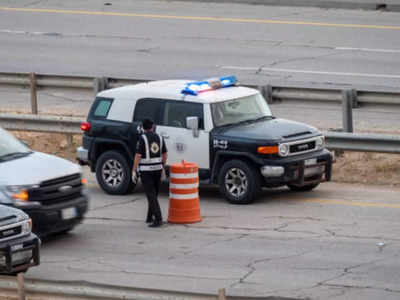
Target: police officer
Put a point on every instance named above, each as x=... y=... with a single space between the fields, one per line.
x=151 y=156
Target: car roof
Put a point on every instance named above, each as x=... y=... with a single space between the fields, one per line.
x=171 y=89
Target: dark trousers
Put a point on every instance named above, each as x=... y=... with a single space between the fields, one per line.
x=151 y=182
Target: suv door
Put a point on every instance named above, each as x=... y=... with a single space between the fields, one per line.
x=181 y=143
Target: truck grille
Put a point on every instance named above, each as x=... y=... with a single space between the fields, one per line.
x=302 y=146
x=10 y=231
x=57 y=190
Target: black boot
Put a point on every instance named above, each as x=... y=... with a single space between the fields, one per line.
x=156 y=224
x=150 y=217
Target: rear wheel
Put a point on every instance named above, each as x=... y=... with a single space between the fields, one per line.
x=238 y=182
x=304 y=188
x=113 y=173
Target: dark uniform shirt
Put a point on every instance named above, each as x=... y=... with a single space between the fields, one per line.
x=151 y=146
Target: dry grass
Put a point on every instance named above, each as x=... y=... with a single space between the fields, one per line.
x=351 y=167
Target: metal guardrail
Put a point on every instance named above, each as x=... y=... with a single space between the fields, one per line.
x=40 y=123
x=334 y=140
x=362 y=142
x=271 y=93
x=43 y=289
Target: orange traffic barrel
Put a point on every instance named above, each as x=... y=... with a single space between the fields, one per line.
x=184 y=204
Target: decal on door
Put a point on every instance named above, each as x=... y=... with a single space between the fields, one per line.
x=221 y=144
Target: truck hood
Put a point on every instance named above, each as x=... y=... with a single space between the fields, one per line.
x=271 y=129
x=9 y=215
x=35 y=168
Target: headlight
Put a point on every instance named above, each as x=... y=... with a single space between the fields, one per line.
x=320 y=142
x=19 y=192
x=26 y=227
x=283 y=149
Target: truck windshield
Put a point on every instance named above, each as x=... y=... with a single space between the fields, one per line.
x=239 y=110
x=10 y=147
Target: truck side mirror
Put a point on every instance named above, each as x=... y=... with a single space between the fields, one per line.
x=193 y=124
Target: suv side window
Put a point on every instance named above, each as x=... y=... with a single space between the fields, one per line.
x=101 y=108
x=148 y=109
x=175 y=113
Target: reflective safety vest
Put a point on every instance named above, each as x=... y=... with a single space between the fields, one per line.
x=152 y=161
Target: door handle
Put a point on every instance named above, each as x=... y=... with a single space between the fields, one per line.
x=165 y=136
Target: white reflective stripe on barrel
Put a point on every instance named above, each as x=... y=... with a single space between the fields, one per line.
x=183 y=186
x=184 y=196
x=184 y=175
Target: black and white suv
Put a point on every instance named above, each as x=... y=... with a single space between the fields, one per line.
x=19 y=247
x=228 y=130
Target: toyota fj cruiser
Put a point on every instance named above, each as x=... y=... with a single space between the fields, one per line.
x=228 y=130
x=19 y=247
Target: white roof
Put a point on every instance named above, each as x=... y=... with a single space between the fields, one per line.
x=171 y=89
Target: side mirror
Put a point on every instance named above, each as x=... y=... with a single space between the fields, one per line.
x=193 y=124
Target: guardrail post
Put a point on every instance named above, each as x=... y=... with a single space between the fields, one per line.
x=21 y=286
x=33 y=87
x=70 y=139
x=347 y=106
x=354 y=98
x=100 y=84
x=266 y=91
x=221 y=294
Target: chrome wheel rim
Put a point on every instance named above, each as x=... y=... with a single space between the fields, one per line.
x=236 y=182
x=112 y=173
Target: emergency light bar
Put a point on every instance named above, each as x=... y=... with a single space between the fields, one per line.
x=196 y=87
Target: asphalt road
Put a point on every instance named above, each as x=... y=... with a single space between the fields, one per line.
x=338 y=242
x=163 y=39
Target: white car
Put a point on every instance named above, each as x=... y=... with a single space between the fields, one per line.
x=48 y=188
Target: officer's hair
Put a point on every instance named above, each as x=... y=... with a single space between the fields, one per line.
x=147 y=124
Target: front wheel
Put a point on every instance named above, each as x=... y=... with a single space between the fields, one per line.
x=113 y=173
x=304 y=188
x=238 y=182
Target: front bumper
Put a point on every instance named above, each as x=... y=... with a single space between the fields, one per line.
x=299 y=170
x=58 y=217
x=82 y=155
x=20 y=254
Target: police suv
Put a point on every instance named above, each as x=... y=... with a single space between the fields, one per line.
x=228 y=130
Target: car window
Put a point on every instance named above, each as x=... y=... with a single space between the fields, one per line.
x=175 y=113
x=101 y=107
x=238 y=110
x=10 y=145
x=148 y=109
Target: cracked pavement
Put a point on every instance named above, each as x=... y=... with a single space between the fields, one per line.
x=281 y=246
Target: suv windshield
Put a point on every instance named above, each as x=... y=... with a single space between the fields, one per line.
x=239 y=110
x=10 y=147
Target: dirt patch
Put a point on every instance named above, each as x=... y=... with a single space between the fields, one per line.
x=351 y=167
x=57 y=144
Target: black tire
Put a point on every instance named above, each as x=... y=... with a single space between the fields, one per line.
x=304 y=188
x=239 y=182
x=114 y=174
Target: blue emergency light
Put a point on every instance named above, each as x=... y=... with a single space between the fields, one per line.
x=196 y=87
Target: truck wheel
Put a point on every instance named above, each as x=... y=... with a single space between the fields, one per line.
x=238 y=182
x=114 y=174
x=304 y=188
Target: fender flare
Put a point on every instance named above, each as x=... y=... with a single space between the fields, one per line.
x=234 y=154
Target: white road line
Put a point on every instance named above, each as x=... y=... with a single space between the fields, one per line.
x=368 y=50
x=391 y=76
x=23 y=32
